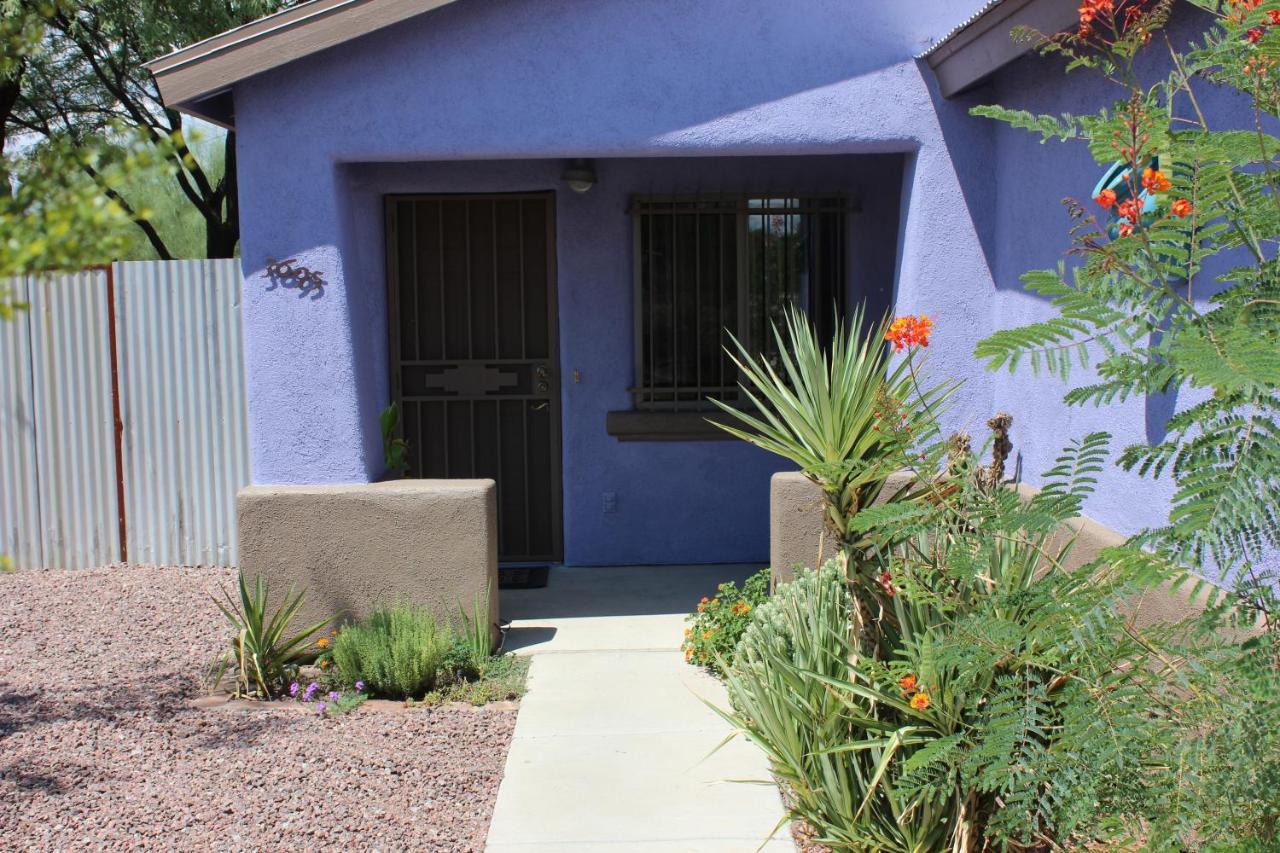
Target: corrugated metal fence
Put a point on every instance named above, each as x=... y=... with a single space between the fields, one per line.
x=158 y=344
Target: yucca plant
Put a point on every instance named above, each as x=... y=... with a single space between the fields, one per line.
x=790 y=688
x=841 y=412
x=263 y=654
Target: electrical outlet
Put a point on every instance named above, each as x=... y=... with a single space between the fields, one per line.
x=610 y=502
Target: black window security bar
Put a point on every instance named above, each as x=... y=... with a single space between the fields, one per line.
x=709 y=266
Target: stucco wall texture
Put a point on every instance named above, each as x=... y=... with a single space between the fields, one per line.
x=668 y=96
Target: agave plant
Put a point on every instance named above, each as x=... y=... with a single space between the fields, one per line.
x=263 y=655
x=841 y=413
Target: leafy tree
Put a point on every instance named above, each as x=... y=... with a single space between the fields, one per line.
x=1194 y=194
x=88 y=83
x=48 y=218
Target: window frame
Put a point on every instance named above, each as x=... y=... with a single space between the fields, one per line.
x=738 y=204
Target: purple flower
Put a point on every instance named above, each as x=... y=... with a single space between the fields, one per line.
x=333 y=696
x=293 y=689
x=359 y=686
x=320 y=708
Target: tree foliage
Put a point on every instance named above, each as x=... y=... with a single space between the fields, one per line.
x=49 y=219
x=1186 y=293
x=86 y=87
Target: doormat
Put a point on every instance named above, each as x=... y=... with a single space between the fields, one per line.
x=522 y=577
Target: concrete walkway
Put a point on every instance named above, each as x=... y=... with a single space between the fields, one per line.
x=612 y=748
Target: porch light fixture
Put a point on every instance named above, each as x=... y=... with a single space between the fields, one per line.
x=580 y=175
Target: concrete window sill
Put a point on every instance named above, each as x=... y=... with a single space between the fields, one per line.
x=666 y=426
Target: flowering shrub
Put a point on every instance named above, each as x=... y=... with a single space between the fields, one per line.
x=717 y=624
x=1175 y=280
x=328 y=703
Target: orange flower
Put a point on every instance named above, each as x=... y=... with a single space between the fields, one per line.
x=688 y=654
x=706 y=635
x=741 y=608
x=908 y=682
x=1181 y=207
x=323 y=642
x=920 y=701
x=324 y=664
x=1130 y=209
x=1091 y=9
x=909 y=331
x=1125 y=229
x=1106 y=199
x=1154 y=180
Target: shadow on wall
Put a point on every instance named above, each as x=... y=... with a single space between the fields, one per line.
x=971 y=147
x=290 y=275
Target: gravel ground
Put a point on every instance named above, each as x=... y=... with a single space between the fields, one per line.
x=100 y=746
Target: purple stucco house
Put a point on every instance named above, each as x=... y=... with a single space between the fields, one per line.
x=534 y=220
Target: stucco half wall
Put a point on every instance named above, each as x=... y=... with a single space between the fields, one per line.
x=353 y=548
x=795 y=526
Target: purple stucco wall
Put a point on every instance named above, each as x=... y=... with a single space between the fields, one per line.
x=503 y=81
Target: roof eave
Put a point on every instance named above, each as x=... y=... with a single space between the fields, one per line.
x=193 y=76
x=981 y=46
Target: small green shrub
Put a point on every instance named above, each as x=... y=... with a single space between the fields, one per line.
x=717 y=624
x=395 y=450
x=476 y=639
x=263 y=655
x=503 y=680
x=398 y=652
x=7 y=566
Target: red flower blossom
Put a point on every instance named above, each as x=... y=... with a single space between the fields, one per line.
x=1154 y=180
x=1181 y=207
x=1254 y=35
x=885 y=583
x=1274 y=16
x=1125 y=229
x=1130 y=209
x=909 y=331
x=1106 y=199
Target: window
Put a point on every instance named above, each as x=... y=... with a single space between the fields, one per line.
x=709 y=266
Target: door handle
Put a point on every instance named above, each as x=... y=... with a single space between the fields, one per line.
x=538 y=407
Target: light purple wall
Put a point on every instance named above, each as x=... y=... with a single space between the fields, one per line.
x=507 y=80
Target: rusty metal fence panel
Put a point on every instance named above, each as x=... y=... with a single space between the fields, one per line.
x=182 y=402
x=77 y=491
x=57 y=465
x=19 y=493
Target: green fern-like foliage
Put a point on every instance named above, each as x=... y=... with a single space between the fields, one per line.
x=1151 y=311
x=977 y=693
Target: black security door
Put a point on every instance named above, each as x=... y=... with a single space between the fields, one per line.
x=473 y=353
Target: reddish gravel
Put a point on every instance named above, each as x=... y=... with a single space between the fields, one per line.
x=101 y=748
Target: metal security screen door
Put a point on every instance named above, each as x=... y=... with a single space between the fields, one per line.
x=474 y=363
